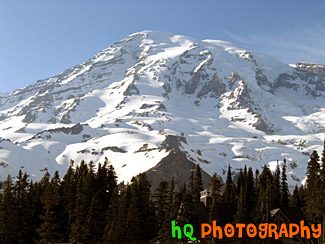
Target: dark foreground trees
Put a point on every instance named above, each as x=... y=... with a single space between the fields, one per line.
x=87 y=205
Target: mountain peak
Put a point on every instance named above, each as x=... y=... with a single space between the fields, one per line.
x=153 y=93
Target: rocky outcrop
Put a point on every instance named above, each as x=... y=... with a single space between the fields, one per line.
x=285 y=80
x=233 y=79
x=176 y=165
x=215 y=87
x=262 y=80
x=261 y=125
x=310 y=70
x=113 y=149
x=240 y=96
x=194 y=82
x=131 y=90
x=74 y=130
x=317 y=69
x=247 y=56
x=172 y=142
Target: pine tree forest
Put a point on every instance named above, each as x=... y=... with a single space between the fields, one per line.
x=87 y=206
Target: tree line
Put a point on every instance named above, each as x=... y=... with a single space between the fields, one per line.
x=88 y=206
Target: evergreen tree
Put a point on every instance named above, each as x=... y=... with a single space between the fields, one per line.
x=257 y=174
x=322 y=173
x=295 y=198
x=302 y=197
x=240 y=216
x=69 y=187
x=104 y=183
x=8 y=224
x=111 y=233
x=240 y=182
x=284 y=186
x=160 y=201
x=172 y=208
x=198 y=184
x=85 y=179
x=116 y=218
x=50 y=230
x=24 y=207
x=265 y=196
x=141 y=224
x=246 y=196
x=96 y=221
x=313 y=193
x=229 y=192
x=216 y=185
x=250 y=194
x=171 y=214
x=185 y=215
x=191 y=184
x=277 y=187
x=179 y=196
x=322 y=187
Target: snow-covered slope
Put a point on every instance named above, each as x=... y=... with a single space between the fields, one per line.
x=154 y=91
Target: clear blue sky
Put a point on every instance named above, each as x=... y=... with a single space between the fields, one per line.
x=39 y=39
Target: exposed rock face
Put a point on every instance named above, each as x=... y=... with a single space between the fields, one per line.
x=262 y=126
x=114 y=149
x=317 y=69
x=311 y=70
x=131 y=90
x=286 y=80
x=263 y=81
x=233 y=79
x=194 y=82
x=240 y=97
x=74 y=130
x=247 y=56
x=172 y=142
x=175 y=165
x=215 y=86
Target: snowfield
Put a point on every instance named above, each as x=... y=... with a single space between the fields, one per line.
x=224 y=103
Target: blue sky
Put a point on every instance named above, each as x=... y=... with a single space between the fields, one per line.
x=39 y=39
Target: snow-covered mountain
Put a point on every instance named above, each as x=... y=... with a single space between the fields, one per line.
x=155 y=93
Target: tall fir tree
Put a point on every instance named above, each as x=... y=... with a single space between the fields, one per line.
x=50 y=230
x=216 y=187
x=302 y=197
x=85 y=179
x=284 y=185
x=160 y=201
x=69 y=190
x=95 y=220
x=322 y=187
x=116 y=217
x=171 y=214
x=240 y=216
x=27 y=218
x=229 y=192
x=104 y=184
x=198 y=184
x=186 y=213
x=8 y=224
x=265 y=196
x=313 y=190
x=246 y=196
x=191 y=184
x=277 y=187
x=295 y=198
x=141 y=224
x=250 y=194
